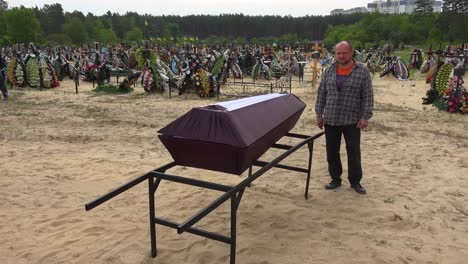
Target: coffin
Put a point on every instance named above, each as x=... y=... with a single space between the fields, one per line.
x=229 y=136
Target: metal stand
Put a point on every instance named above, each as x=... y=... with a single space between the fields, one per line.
x=234 y=193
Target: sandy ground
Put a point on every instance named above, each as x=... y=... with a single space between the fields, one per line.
x=59 y=150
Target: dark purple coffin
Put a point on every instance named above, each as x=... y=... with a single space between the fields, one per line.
x=229 y=136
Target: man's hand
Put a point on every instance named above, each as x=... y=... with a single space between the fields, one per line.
x=362 y=123
x=320 y=123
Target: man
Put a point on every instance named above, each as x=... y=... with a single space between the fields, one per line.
x=344 y=105
x=3 y=87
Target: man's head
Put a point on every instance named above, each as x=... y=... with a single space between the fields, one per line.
x=343 y=53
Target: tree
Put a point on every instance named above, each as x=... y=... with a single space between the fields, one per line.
x=455 y=6
x=107 y=36
x=289 y=38
x=125 y=24
x=22 y=25
x=3 y=9
x=58 y=39
x=3 y=6
x=172 y=31
x=95 y=30
x=76 y=31
x=423 y=6
x=134 y=35
x=77 y=14
x=451 y=26
x=92 y=26
x=52 y=19
x=3 y=32
x=357 y=45
x=365 y=28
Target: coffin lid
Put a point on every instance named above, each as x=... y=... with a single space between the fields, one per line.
x=238 y=122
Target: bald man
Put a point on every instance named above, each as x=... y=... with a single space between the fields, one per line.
x=344 y=105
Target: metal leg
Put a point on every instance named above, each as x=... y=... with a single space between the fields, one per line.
x=233 y=229
x=235 y=201
x=151 y=190
x=309 y=168
x=234 y=193
x=250 y=174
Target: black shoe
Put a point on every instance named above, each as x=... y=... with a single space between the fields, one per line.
x=358 y=188
x=333 y=185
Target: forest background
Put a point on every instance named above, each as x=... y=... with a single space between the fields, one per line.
x=50 y=25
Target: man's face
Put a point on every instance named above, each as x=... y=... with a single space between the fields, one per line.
x=343 y=54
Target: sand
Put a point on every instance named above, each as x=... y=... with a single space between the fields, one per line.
x=59 y=150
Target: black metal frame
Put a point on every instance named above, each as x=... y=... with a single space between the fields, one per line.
x=270 y=85
x=234 y=193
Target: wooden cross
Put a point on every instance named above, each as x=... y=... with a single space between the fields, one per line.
x=288 y=53
x=316 y=49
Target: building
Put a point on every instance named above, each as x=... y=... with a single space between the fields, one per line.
x=398 y=6
x=349 y=11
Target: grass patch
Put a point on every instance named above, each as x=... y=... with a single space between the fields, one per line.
x=389 y=107
x=112 y=89
x=15 y=114
x=139 y=95
x=404 y=54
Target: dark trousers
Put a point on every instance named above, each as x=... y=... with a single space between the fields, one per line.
x=352 y=136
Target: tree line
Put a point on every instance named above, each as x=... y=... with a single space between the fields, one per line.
x=421 y=27
x=50 y=25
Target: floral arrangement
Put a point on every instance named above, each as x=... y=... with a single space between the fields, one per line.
x=11 y=68
x=158 y=81
x=32 y=72
x=90 y=71
x=174 y=67
x=142 y=55
x=457 y=100
x=255 y=71
x=163 y=66
x=147 y=80
x=151 y=80
x=218 y=66
x=197 y=82
x=400 y=69
x=236 y=70
x=46 y=77
x=427 y=65
x=53 y=73
x=132 y=60
x=397 y=67
x=267 y=71
x=19 y=75
x=276 y=69
x=443 y=77
x=464 y=103
x=454 y=99
x=202 y=82
x=431 y=72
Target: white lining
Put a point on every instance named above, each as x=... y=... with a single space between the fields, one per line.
x=239 y=103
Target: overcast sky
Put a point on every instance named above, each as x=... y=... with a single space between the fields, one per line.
x=294 y=8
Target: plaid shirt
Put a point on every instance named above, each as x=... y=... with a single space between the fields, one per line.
x=348 y=105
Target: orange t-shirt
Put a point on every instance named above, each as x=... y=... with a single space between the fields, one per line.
x=345 y=71
x=341 y=75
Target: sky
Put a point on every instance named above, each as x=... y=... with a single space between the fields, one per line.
x=295 y=8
